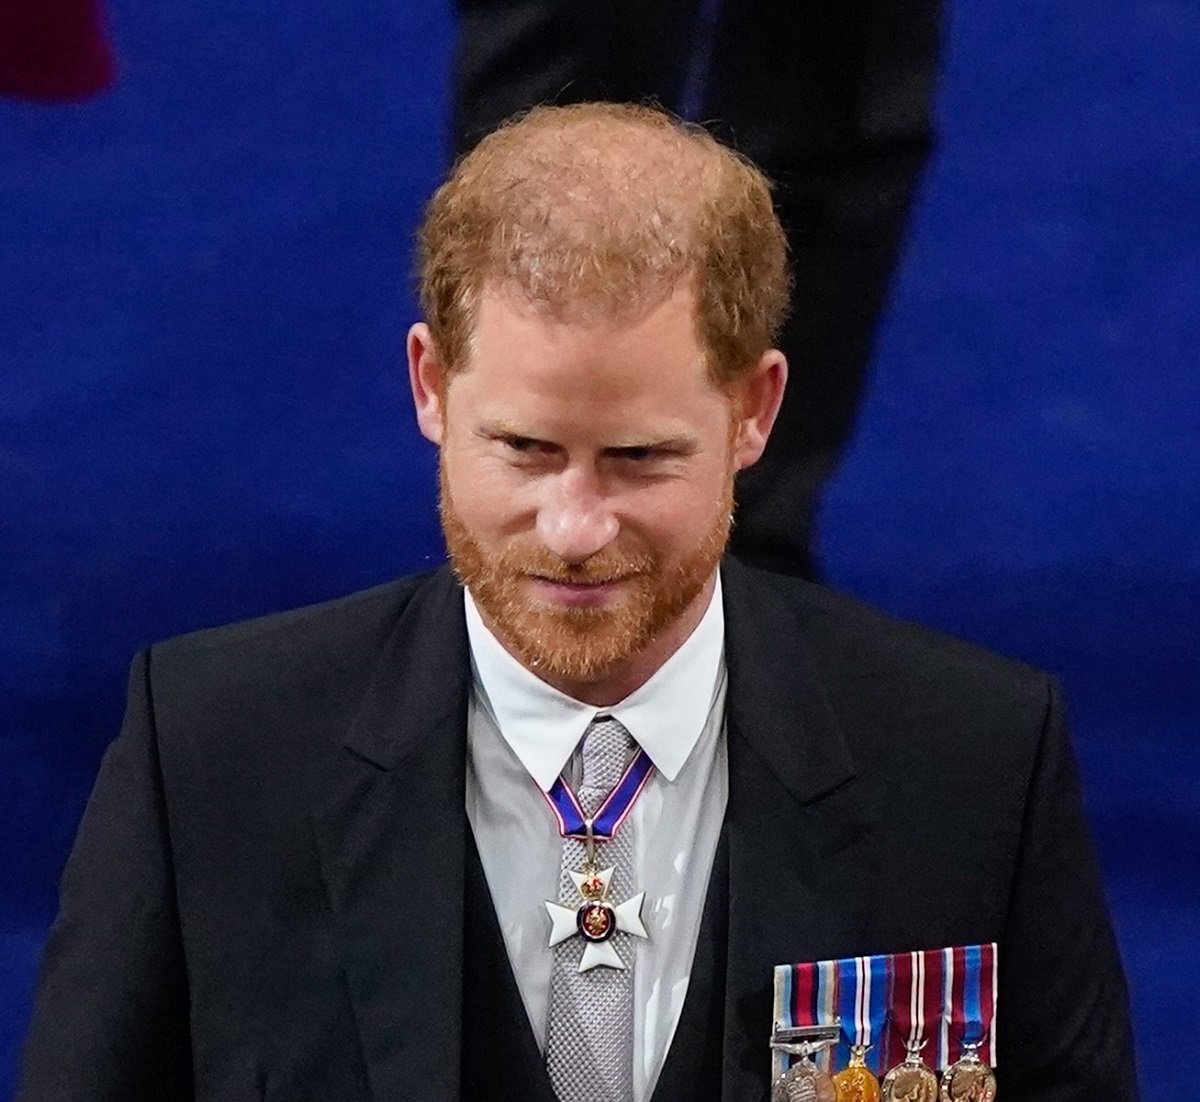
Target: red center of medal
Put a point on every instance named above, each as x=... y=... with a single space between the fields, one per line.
x=596 y=921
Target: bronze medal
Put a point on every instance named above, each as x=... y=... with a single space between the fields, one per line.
x=968 y=1079
x=912 y=1081
x=804 y=1082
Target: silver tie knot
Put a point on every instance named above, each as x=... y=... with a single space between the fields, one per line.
x=607 y=748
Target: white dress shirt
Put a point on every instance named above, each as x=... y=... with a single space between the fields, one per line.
x=521 y=734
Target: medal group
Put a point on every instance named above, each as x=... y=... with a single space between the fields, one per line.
x=880 y=1028
x=861 y=1029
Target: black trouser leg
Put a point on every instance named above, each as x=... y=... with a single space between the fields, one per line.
x=834 y=101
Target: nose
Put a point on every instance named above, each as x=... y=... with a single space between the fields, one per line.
x=575 y=520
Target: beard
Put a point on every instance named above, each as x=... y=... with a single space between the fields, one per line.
x=580 y=644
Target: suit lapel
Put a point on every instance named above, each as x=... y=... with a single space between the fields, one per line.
x=391 y=842
x=799 y=809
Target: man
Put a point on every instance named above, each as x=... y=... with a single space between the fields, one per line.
x=548 y=836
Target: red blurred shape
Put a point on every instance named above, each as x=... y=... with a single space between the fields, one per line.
x=54 y=50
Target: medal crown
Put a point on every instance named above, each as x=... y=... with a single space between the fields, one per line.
x=592 y=888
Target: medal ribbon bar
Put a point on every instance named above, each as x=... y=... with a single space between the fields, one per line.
x=805 y=996
x=915 y=1007
x=862 y=1001
x=968 y=1003
x=945 y=997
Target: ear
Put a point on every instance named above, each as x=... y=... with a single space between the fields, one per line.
x=757 y=398
x=427 y=377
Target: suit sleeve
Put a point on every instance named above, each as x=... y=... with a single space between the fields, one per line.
x=1063 y=1010
x=110 y=1020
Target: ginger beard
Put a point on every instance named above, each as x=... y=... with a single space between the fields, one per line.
x=580 y=644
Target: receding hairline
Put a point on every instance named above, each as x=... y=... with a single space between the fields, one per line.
x=584 y=312
x=598 y=210
x=616 y=136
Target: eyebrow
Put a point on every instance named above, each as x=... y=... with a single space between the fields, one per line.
x=495 y=429
x=682 y=443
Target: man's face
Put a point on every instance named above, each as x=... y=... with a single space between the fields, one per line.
x=586 y=481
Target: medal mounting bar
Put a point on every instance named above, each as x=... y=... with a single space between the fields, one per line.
x=786 y=1038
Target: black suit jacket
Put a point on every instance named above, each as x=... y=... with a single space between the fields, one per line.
x=265 y=900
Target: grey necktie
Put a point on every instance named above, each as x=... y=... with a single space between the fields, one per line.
x=589 y=1043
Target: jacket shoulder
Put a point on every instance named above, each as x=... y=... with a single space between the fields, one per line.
x=292 y=678
x=369 y=610
x=858 y=636
x=883 y=675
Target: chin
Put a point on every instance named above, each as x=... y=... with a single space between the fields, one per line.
x=577 y=644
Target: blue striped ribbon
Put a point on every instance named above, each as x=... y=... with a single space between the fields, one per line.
x=862 y=1005
x=973 y=995
x=611 y=814
x=877 y=1008
x=847 y=975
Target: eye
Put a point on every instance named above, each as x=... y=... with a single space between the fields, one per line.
x=522 y=445
x=637 y=454
x=527 y=448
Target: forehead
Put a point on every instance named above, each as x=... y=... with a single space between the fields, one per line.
x=577 y=340
x=525 y=361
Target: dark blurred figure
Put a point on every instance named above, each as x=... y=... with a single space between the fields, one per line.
x=54 y=50
x=833 y=101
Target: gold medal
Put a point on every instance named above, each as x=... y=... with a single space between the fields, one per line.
x=855 y=1083
x=912 y=1081
x=968 y=1079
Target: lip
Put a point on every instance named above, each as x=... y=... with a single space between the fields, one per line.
x=576 y=594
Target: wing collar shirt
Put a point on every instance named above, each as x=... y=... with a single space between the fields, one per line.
x=521 y=734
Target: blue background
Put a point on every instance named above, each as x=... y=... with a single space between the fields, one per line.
x=204 y=286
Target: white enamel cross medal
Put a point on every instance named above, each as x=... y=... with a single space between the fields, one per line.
x=596 y=918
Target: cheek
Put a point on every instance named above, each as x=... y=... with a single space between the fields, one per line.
x=681 y=514
x=488 y=496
